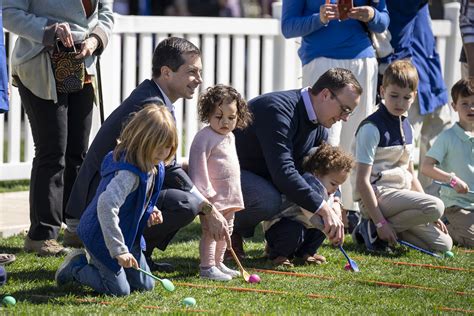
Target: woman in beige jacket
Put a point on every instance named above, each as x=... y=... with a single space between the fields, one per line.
x=60 y=122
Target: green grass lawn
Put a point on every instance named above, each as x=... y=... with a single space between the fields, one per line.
x=422 y=290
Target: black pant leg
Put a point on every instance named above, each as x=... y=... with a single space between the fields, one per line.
x=284 y=238
x=80 y=107
x=179 y=208
x=49 y=128
x=312 y=240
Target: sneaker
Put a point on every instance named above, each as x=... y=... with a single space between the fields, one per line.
x=72 y=240
x=49 y=247
x=6 y=258
x=353 y=219
x=237 y=245
x=357 y=236
x=215 y=274
x=77 y=258
x=372 y=242
x=226 y=270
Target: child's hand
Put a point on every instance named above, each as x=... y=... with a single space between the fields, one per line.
x=387 y=233
x=155 y=217
x=127 y=260
x=439 y=223
x=461 y=186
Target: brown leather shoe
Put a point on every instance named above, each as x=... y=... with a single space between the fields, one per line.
x=238 y=246
x=49 y=247
x=72 y=240
x=282 y=262
x=314 y=259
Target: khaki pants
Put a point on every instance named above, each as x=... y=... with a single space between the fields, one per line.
x=461 y=225
x=412 y=215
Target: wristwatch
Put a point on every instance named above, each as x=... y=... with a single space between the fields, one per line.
x=206 y=208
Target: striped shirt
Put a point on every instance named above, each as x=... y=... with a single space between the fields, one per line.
x=466 y=21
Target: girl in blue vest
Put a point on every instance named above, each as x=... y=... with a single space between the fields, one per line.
x=391 y=199
x=112 y=225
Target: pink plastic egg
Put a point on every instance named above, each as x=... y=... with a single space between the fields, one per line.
x=347 y=267
x=254 y=278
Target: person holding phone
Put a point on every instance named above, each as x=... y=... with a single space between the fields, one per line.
x=335 y=34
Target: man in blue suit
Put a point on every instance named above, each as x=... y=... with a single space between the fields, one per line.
x=176 y=67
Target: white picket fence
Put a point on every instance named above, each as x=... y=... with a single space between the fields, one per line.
x=249 y=54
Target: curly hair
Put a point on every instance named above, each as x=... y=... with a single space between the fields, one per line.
x=219 y=94
x=325 y=159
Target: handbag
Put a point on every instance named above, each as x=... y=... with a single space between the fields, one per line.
x=69 y=72
x=381 y=43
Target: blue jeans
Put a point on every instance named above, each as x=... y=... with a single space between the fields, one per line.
x=262 y=201
x=105 y=281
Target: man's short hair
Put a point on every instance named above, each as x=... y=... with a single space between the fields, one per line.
x=401 y=73
x=169 y=52
x=336 y=79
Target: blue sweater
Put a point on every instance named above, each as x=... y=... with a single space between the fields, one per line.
x=3 y=74
x=131 y=216
x=346 y=39
x=274 y=145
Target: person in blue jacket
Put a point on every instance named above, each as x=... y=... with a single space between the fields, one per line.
x=111 y=227
x=412 y=38
x=3 y=72
x=330 y=39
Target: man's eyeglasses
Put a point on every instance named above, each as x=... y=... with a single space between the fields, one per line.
x=345 y=110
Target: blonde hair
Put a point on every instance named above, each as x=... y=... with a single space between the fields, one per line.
x=149 y=129
x=401 y=73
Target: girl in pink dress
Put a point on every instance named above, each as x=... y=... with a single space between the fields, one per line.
x=214 y=169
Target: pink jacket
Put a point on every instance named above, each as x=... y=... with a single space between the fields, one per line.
x=215 y=170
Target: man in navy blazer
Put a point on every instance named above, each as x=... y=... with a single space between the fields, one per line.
x=176 y=68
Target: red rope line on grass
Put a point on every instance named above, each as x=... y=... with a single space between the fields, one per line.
x=422 y=265
x=244 y=289
x=450 y=309
x=430 y=266
x=381 y=283
x=303 y=275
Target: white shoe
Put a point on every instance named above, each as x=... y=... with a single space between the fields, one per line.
x=215 y=274
x=228 y=271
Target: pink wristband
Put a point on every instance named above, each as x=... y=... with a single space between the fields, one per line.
x=453 y=182
x=381 y=223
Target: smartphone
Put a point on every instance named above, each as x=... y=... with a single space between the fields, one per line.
x=74 y=49
x=344 y=6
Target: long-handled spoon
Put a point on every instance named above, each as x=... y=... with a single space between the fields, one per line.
x=244 y=273
x=167 y=284
x=402 y=242
x=351 y=262
x=318 y=222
